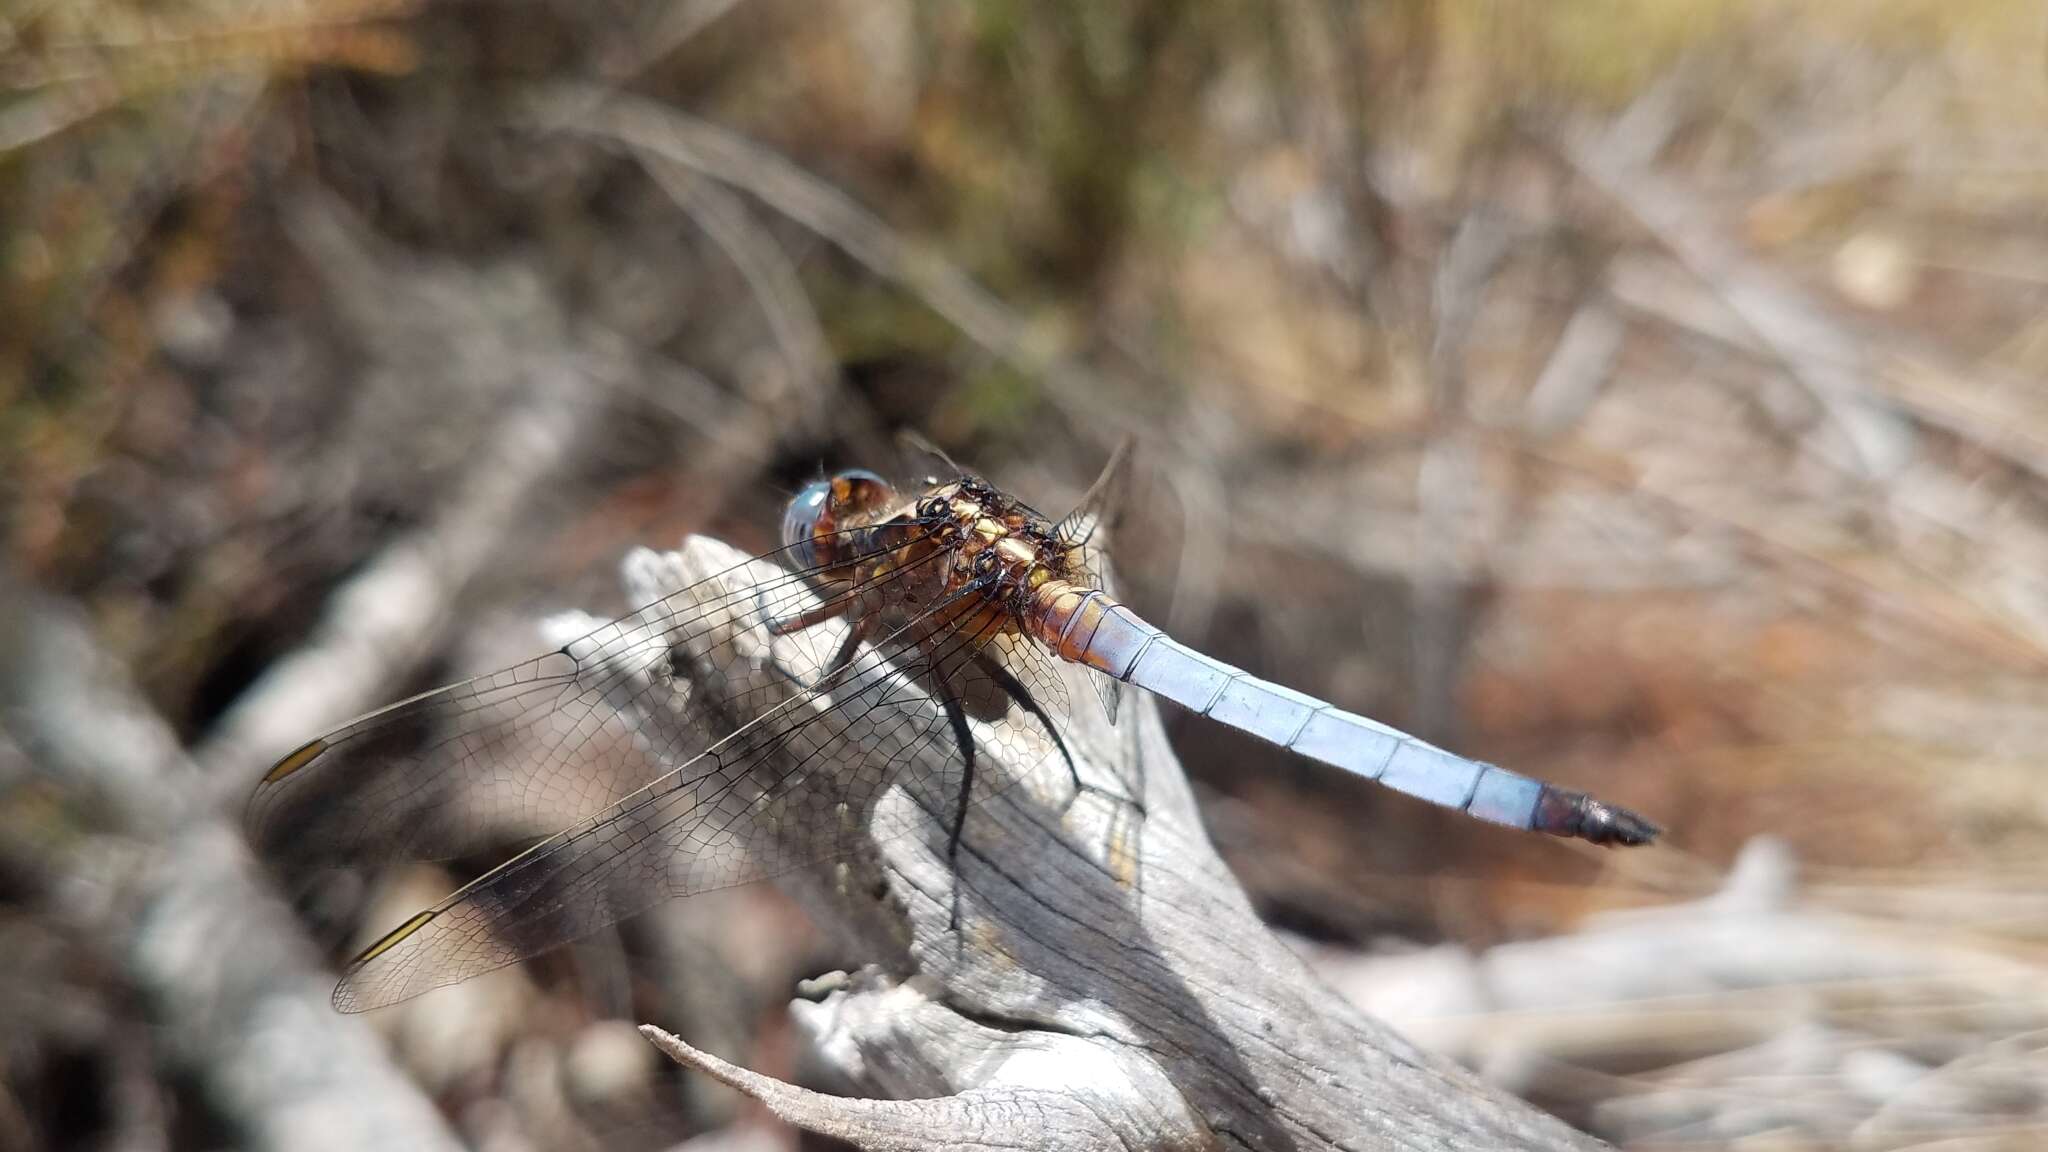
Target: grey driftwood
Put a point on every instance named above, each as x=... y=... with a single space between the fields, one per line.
x=1107 y=984
x=235 y=993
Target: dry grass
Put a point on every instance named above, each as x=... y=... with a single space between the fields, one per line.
x=1646 y=395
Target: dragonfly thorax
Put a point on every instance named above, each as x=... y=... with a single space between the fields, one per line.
x=1004 y=547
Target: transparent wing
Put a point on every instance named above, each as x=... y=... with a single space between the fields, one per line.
x=926 y=460
x=755 y=763
x=1085 y=531
x=513 y=755
x=1104 y=502
x=1132 y=508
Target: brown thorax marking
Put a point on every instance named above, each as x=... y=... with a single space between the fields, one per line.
x=996 y=535
x=987 y=538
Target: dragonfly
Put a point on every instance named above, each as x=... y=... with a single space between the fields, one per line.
x=749 y=725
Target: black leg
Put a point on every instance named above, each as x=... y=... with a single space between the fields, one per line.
x=831 y=609
x=965 y=739
x=848 y=649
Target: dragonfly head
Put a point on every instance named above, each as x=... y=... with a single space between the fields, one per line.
x=825 y=508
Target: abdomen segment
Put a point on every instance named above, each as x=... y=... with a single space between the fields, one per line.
x=1092 y=628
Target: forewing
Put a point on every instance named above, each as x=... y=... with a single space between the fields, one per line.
x=513 y=755
x=794 y=774
x=1131 y=508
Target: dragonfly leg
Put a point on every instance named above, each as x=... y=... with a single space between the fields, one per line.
x=841 y=605
x=849 y=648
x=831 y=609
x=965 y=738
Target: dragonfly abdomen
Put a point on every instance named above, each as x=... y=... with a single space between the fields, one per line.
x=1094 y=629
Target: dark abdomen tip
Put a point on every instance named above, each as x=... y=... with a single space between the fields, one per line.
x=1561 y=812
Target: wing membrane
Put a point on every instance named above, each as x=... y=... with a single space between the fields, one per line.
x=1086 y=530
x=512 y=755
x=698 y=751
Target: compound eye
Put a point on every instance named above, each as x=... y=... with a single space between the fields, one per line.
x=859 y=490
x=800 y=522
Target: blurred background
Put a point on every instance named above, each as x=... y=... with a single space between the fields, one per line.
x=1643 y=395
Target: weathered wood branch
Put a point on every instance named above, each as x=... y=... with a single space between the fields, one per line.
x=237 y=996
x=537 y=383
x=1107 y=984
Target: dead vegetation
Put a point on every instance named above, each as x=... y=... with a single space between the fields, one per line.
x=1647 y=396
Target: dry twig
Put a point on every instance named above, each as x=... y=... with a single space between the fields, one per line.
x=238 y=997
